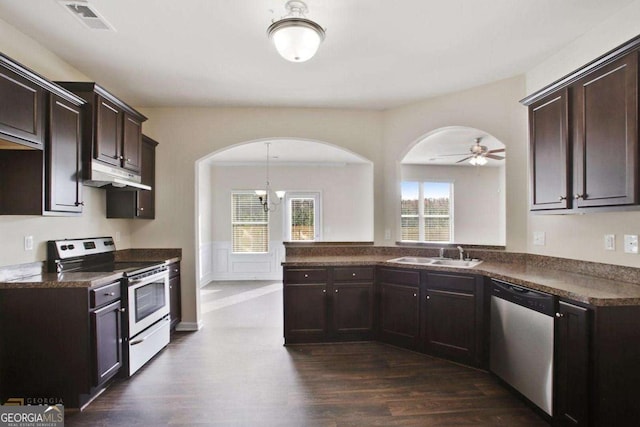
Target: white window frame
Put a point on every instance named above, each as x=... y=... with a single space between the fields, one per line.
x=421 y=216
x=317 y=214
x=241 y=222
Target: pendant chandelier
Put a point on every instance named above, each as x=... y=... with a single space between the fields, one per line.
x=263 y=195
x=296 y=38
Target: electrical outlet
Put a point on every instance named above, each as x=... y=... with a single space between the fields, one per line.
x=631 y=243
x=538 y=238
x=28 y=243
x=610 y=242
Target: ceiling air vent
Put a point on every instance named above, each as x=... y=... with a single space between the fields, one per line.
x=87 y=14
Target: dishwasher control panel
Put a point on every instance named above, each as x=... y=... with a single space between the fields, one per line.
x=534 y=300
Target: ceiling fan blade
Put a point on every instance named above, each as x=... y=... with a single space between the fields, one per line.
x=449 y=155
x=466 y=158
x=491 y=156
x=497 y=150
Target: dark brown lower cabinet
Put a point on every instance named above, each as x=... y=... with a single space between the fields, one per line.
x=571 y=365
x=399 y=307
x=106 y=326
x=175 y=299
x=596 y=365
x=453 y=317
x=59 y=343
x=327 y=305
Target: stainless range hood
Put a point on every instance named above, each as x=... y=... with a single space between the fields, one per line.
x=107 y=176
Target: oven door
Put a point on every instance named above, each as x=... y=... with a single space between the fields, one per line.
x=148 y=301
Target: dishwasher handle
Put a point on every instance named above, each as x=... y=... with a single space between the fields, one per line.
x=533 y=300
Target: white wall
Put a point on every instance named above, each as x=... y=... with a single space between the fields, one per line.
x=494 y=108
x=93 y=222
x=582 y=236
x=347 y=213
x=476 y=201
x=187 y=135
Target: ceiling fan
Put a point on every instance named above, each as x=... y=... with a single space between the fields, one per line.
x=478 y=154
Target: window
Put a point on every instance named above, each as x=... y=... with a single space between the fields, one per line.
x=250 y=223
x=303 y=219
x=426 y=212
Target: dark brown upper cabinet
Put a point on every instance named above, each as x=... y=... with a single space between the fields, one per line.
x=112 y=130
x=22 y=106
x=63 y=163
x=548 y=152
x=605 y=117
x=138 y=204
x=583 y=137
x=40 y=170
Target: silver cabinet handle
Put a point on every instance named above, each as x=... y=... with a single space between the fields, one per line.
x=121 y=157
x=415 y=295
x=354 y=274
x=109 y=294
x=306 y=276
x=580 y=196
x=324 y=291
x=128 y=160
x=336 y=291
x=561 y=198
x=428 y=297
x=79 y=203
x=559 y=315
x=141 y=209
x=123 y=309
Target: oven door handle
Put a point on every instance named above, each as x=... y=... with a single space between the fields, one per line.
x=136 y=282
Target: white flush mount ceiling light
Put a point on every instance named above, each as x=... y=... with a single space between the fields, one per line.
x=87 y=14
x=296 y=38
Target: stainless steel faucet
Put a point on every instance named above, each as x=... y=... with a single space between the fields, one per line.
x=441 y=252
x=461 y=253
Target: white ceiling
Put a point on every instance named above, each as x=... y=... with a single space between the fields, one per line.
x=290 y=151
x=440 y=147
x=377 y=54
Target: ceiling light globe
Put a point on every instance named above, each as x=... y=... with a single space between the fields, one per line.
x=481 y=161
x=296 y=39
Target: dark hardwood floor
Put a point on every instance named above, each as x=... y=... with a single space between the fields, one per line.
x=236 y=372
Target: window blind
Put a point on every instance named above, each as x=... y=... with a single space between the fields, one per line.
x=250 y=224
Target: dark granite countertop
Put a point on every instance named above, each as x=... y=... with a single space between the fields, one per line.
x=34 y=275
x=593 y=290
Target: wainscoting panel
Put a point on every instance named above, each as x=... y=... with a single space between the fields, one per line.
x=225 y=265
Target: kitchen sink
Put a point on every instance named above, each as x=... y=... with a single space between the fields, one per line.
x=412 y=260
x=457 y=262
x=444 y=262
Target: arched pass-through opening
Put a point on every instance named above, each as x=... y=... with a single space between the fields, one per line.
x=454 y=179
x=339 y=183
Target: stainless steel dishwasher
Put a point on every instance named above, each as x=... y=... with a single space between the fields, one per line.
x=521 y=345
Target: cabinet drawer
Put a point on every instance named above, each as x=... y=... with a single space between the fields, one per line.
x=403 y=277
x=344 y=274
x=452 y=282
x=105 y=294
x=174 y=269
x=310 y=275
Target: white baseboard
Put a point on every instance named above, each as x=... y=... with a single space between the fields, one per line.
x=189 y=326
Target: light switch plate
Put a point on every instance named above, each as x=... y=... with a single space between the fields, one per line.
x=610 y=242
x=28 y=243
x=631 y=243
x=538 y=238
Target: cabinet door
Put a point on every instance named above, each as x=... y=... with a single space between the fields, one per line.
x=22 y=110
x=572 y=365
x=175 y=306
x=63 y=167
x=399 y=315
x=606 y=135
x=107 y=335
x=548 y=153
x=108 y=132
x=352 y=310
x=131 y=143
x=305 y=312
x=453 y=323
x=146 y=199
